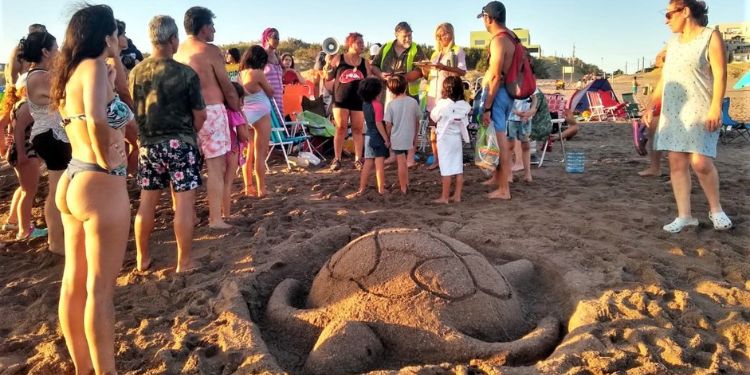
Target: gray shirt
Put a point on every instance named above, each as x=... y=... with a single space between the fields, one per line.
x=403 y=114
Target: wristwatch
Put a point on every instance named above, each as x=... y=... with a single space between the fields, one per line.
x=487 y=110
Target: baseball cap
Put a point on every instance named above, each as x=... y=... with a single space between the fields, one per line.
x=494 y=10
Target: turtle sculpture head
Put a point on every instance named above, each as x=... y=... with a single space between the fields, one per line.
x=421 y=296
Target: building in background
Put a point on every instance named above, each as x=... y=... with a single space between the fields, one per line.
x=481 y=39
x=737 y=39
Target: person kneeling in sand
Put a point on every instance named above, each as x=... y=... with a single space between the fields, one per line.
x=170 y=112
x=377 y=136
x=451 y=114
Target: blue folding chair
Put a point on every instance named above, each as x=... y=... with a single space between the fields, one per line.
x=731 y=129
x=285 y=135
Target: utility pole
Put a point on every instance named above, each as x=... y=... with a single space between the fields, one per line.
x=573 y=59
x=626 y=67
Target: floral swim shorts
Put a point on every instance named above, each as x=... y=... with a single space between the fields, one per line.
x=172 y=161
x=213 y=137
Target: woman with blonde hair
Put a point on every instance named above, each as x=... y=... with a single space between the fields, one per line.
x=448 y=60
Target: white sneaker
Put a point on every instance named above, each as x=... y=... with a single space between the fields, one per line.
x=679 y=224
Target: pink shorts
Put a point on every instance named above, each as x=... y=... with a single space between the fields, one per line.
x=214 y=138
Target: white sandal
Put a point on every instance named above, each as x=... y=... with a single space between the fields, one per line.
x=679 y=224
x=720 y=220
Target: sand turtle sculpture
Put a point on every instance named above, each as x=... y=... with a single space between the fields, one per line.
x=410 y=296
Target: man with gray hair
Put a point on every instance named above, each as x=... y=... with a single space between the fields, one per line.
x=169 y=111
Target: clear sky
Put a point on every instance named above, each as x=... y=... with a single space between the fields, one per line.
x=607 y=33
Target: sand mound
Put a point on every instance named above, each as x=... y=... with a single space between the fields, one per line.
x=631 y=298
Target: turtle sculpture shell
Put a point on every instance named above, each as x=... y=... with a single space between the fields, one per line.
x=423 y=272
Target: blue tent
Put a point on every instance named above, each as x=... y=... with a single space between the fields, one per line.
x=580 y=101
x=743 y=82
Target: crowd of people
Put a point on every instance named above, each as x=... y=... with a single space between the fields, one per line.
x=92 y=117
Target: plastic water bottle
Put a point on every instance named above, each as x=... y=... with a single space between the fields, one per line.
x=574 y=161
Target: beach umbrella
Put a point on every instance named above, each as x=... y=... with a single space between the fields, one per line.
x=743 y=82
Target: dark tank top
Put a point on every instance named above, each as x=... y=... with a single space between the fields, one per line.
x=347 y=81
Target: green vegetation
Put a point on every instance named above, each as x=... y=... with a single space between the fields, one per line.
x=476 y=58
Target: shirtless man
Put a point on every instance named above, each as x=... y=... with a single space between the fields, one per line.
x=208 y=61
x=497 y=104
x=14 y=69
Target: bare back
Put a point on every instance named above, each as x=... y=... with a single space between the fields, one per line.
x=506 y=52
x=203 y=57
x=88 y=92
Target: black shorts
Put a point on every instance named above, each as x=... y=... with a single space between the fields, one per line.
x=351 y=105
x=55 y=153
x=401 y=152
x=13 y=153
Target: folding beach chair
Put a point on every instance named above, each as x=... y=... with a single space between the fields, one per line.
x=612 y=107
x=595 y=106
x=320 y=129
x=556 y=104
x=632 y=107
x=286 y=135
x=731 y=129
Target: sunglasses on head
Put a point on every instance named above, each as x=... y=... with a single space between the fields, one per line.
x=669 y=14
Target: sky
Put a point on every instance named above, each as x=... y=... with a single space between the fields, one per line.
x=607 y=33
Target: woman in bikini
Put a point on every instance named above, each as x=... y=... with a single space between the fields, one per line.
x=92 y=194
x=257 y=109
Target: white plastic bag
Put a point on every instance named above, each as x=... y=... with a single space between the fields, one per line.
x=309 y=157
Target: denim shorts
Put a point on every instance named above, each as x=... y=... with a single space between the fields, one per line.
x=501 y=107
x=519 y=130
x=375 y=147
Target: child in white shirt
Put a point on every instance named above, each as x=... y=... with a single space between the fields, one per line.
x=451 y=114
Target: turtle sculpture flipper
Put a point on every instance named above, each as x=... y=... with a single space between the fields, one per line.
x=421 y=297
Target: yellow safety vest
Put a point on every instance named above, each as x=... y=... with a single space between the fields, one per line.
x=413 y=86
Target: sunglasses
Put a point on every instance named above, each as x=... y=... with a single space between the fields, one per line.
x=669 y=14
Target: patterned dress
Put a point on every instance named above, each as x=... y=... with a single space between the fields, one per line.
x=274 y=73
x=686 y=99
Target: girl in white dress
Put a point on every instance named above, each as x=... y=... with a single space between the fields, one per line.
x=690 y=92
x=452 y=116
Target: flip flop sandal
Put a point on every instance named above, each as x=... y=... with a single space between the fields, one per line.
x=639 y=138
x=679 y=224
x=720 y=220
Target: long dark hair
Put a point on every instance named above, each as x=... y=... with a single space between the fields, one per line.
x=85 y=38
x=30 y=48
x=254 y=57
